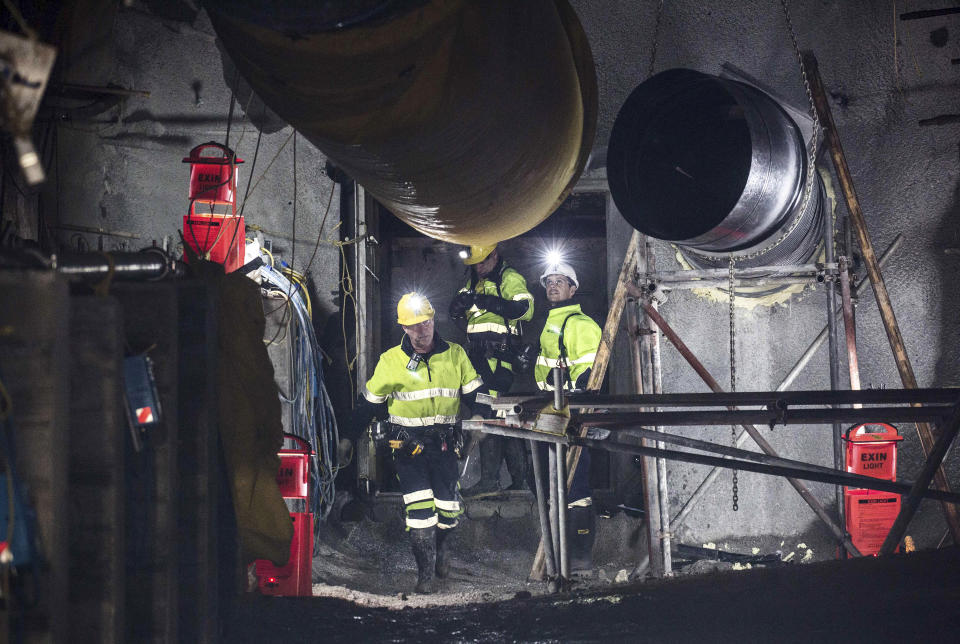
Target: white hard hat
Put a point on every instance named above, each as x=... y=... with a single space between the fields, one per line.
x=560 y=268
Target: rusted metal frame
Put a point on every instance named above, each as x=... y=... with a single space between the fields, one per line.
x=921 y=486
x=698 y=494
x=850 y=326
x=769 y=417
x=801 y=489
x=858 y=222
x=600 y=363
x=747 y=461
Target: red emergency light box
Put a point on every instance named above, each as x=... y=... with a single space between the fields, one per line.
x=219 y=238
x=871 y=451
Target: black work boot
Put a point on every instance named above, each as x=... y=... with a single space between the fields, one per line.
x=443 y=553
x=582 y=523
x=425 y=552
x=515 y=453
x=491 y=453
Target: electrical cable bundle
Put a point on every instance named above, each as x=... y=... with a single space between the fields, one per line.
x=312 y=415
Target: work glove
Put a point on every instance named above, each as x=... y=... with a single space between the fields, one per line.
x=490 y=303
x=460 y=304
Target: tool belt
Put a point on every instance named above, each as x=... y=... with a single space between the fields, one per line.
x=498 y=349
x=412 y=441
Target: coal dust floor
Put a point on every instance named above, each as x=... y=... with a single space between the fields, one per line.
x=907 y=598
x=370 y=562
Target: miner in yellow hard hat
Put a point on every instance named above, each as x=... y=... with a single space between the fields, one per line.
x=494 y=302
x=419 y=385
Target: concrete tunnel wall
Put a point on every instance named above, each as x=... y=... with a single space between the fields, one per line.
x=122 y=171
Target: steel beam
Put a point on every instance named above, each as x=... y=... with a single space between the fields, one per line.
x=771 y=418
x=521 y=403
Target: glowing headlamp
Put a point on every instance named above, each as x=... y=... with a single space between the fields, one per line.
x=464 y=253
x=554 y=257
x=416 y=303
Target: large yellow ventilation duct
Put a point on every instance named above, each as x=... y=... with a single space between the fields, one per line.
x=471 y=121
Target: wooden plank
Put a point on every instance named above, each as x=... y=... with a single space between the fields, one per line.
x=904 y=367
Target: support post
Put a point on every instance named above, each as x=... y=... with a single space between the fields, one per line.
x=833 y=354
x=554 y=511
x=664 y=504
x=649 y=463
x=850 y=327
x=562 y=516
x=859 y=224
x=542 y=511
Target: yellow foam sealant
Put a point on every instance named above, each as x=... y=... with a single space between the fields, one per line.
x=780 y=296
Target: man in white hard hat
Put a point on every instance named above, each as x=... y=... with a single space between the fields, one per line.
x=419 y=385
x=570 y=340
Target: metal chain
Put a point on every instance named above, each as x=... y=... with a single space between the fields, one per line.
x=656 y=38
x=811 y=149
x=733 y=380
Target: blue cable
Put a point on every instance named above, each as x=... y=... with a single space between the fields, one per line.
x=312 y=416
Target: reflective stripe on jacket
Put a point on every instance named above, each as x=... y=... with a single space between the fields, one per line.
x=581 y=337
x=512 y=287
x=429 y=393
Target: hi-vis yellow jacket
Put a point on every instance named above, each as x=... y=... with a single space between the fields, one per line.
x=512 y=287
x=581 y=339
x=422 y=390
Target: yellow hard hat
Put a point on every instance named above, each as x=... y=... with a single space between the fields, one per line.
x=413 y=308
x=476 y=254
